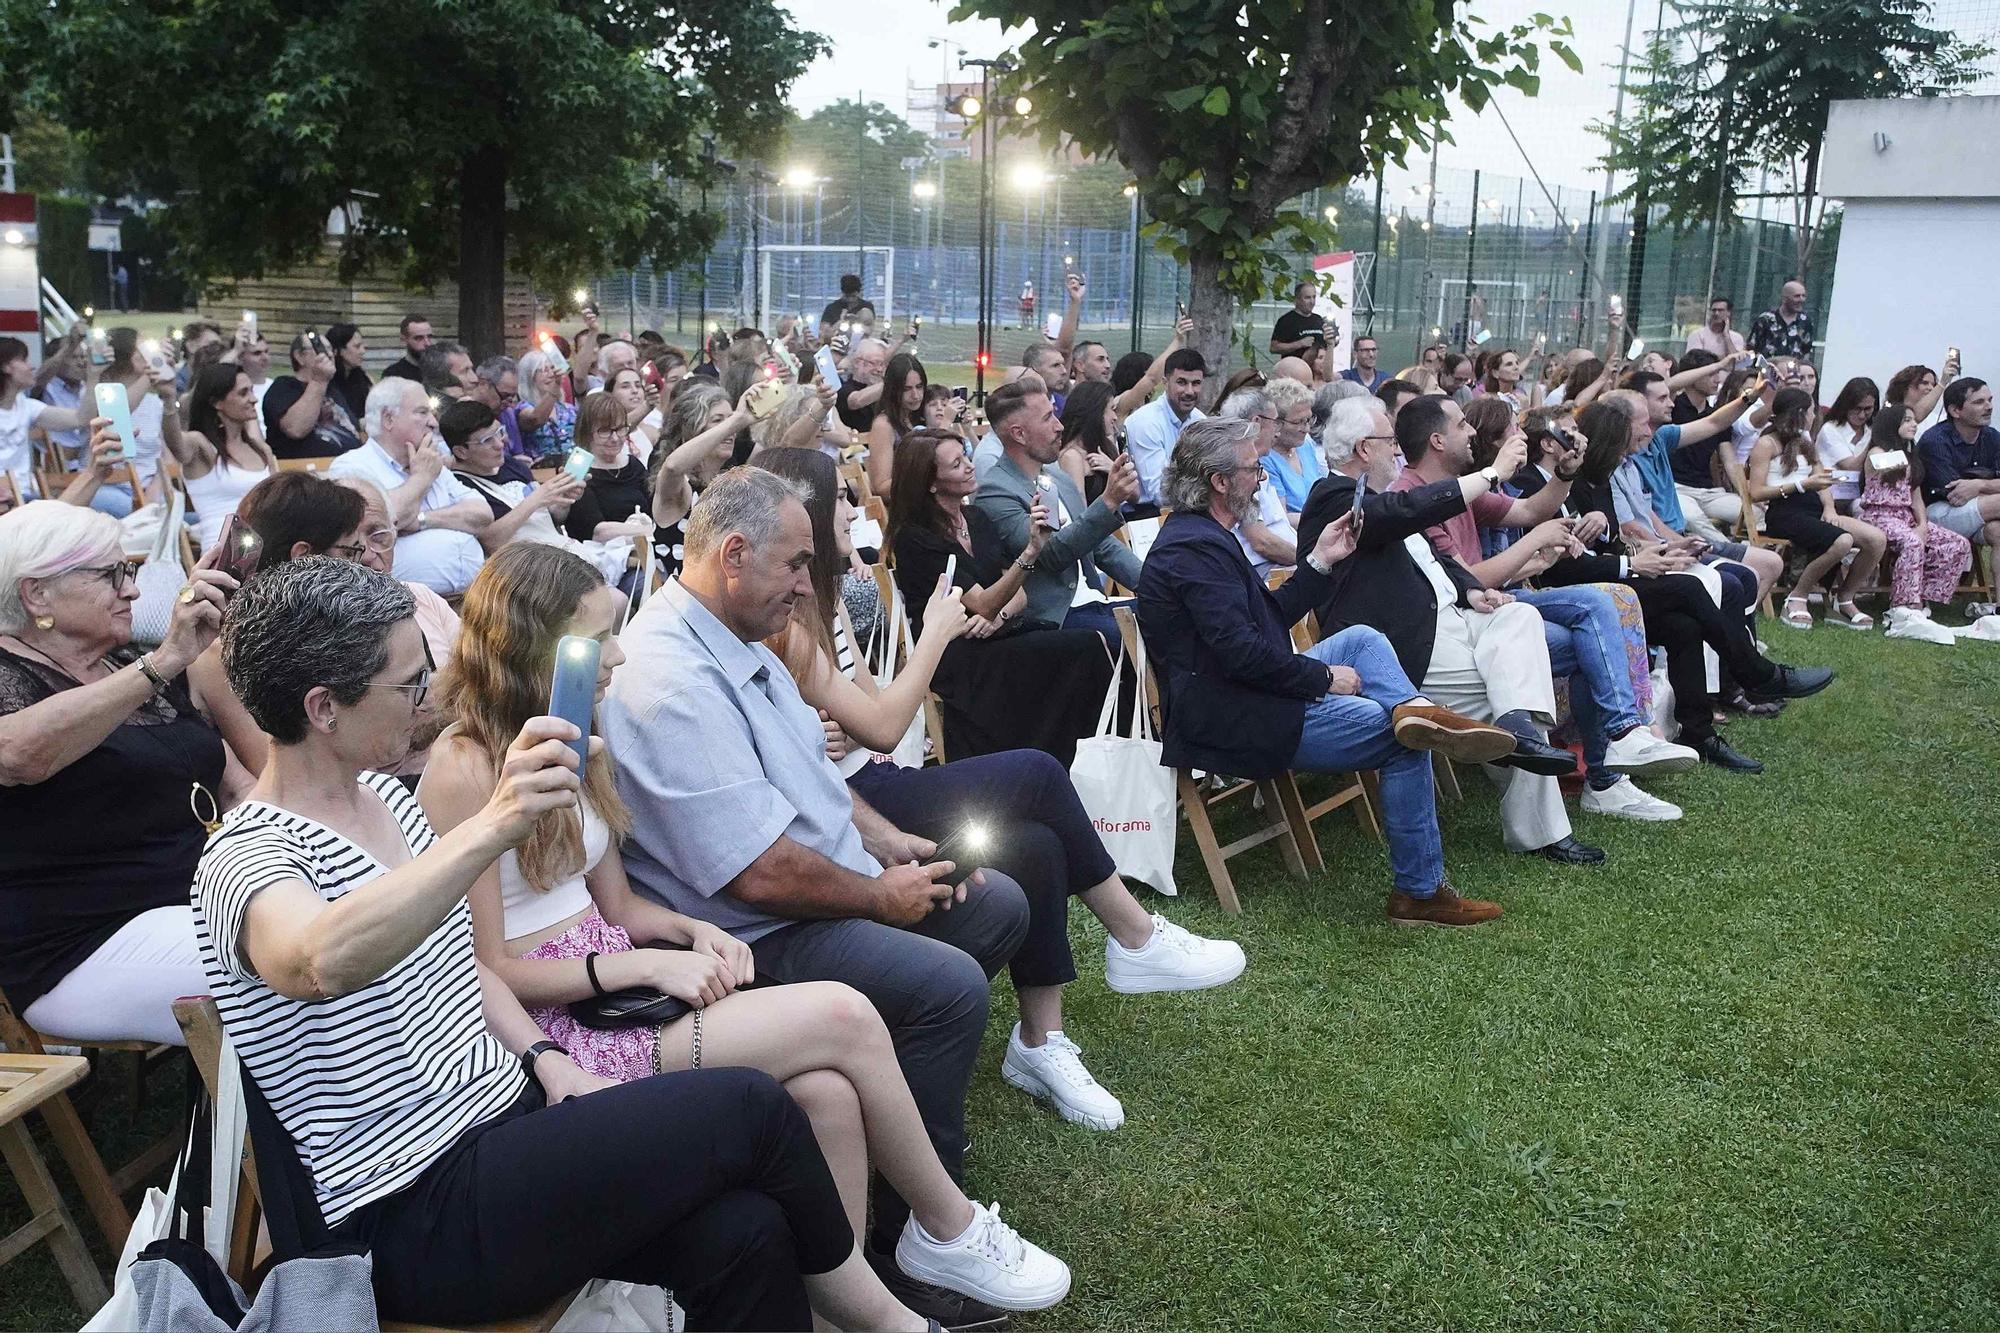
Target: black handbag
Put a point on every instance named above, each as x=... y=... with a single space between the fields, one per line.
x=633 y=1007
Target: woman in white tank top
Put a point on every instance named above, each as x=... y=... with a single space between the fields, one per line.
x=559 y=922
x=222 y=452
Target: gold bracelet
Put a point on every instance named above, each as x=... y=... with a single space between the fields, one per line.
x=152 y=673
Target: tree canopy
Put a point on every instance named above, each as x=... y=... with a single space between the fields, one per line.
x=1727 y=88
x=1224 y=113
x=459 y=138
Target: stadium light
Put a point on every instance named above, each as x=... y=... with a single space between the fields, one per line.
x=1027 y=176
x=924 y=190
x=967 y=107
x=1022 y=106
x=800 y=178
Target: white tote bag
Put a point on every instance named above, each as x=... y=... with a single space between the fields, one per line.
x=161 y=577
x=1129 y=797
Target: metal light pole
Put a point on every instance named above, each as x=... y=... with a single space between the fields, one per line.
x=1138 y=267
x=982 y=109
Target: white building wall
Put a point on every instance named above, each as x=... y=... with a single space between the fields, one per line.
x=1914 y=276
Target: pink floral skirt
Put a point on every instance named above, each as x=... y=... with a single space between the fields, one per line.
x=623 y=1054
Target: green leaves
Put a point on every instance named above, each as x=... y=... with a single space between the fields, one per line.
x=1217 y=101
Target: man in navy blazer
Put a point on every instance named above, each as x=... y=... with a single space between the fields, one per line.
x=1237 y=699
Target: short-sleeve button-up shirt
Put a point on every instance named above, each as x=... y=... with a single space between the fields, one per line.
x=718 y=757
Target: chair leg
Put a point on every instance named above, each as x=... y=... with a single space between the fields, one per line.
x=1196 y=810
x=100 y=1196
x=1288 y=844
x=45 y=1202
x=1446 y=777
x=1294 y=808
x=1371 y=796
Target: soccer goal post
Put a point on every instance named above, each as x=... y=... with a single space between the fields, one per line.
x=803 y=279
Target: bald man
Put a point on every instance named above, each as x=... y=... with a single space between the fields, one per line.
x=1292 y=368
x=1788 y=330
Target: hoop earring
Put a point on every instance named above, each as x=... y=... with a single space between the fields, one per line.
x=45 y=622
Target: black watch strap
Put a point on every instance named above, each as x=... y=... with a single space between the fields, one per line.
x=529 y=1056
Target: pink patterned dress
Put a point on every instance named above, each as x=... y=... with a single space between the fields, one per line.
x=1926 y=571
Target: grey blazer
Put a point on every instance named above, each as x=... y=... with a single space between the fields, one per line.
x=1084 y=545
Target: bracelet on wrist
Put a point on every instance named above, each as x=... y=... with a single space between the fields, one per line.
x=535 y=1052
x=152 y=673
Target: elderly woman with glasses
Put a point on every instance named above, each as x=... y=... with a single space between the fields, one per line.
x=110 y=770
x=434 y=1122
x=300 y=514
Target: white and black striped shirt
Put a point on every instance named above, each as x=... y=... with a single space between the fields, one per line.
x=375 y=1085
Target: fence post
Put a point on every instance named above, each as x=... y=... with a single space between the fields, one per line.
x=1471 y=253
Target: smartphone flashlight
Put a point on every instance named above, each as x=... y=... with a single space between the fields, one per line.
x=578 y=463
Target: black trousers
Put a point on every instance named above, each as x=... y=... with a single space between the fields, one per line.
x=1039 y=836
x=707 y=1182
x=1682 y=618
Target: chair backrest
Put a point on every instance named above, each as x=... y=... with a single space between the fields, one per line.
x=1128 y=630
x=305 y=464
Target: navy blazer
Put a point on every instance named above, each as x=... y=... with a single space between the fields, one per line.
x=1384 y=588
x=1232 y=690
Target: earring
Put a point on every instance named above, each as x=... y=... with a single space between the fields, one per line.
x=45 y=622
x=332 y=722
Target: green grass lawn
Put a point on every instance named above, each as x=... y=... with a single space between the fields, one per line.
x=1742 y=1076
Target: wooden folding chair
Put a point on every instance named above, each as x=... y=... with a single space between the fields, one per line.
x=321 y=464
x=28 y=1082
x=1196 y=802
x=1752 y=537
x=103 y=1191
x=1977 y=584
x=248 y=1250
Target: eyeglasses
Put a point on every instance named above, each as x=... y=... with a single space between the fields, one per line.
x=377 y=539
x=418 y=688
x=118 y=575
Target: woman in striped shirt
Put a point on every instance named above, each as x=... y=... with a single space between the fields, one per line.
x=440 y=1129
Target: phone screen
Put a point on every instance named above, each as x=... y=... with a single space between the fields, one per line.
x=573 y=690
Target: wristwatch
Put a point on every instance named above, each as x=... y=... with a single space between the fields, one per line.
x=1313 y=563
x=535 y=1052
x=1492 y=476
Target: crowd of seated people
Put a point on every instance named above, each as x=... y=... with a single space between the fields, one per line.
x=332 y=795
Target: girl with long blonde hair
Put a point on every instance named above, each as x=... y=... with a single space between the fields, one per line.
x=560 y=924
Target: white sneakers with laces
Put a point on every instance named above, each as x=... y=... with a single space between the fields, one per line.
x=1173 y=960
x=1640 y=753
x=991 y=1262
x=1054 y=1072
x=1623 y=800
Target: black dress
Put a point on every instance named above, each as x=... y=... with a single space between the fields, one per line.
x=610 y=495
x=1023 y=690
x=106 y=838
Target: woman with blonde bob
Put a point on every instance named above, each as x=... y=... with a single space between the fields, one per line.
x=558 y=921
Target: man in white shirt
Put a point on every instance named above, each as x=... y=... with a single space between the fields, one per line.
x=1268 y=539
x=436 y=515
x=1151 y=431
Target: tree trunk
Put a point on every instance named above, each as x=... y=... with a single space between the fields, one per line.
x=1807 y=235
x=1213 y=309
x=482 y=252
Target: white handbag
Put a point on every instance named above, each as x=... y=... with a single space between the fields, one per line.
x=161 y=577
x=891 y=634
x=1127 y=794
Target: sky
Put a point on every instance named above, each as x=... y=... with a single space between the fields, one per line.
x=880 y=46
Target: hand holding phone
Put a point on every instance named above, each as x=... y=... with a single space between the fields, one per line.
x=578 y=463
x=115 y=404
x=573 y=690
x=1360 y=494
x=828 y=366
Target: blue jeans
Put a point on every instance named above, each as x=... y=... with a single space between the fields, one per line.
x=1587 y=645
x=1098 y=616
x=115 y=500
x=1350 y=732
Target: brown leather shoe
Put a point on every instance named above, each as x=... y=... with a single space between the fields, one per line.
x=1443 y=908
x=1453 y=735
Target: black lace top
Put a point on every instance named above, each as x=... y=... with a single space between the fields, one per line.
x=106 y=838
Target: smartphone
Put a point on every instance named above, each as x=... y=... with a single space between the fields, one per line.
x=99 y=343
x=961 y=393
x=113 y=402
x=1615 y=304
x=155 y=354
x=1635 y=349
x=1951 y=355
x=242 y=549
x=1360 y=494
x=828 y=366
x=578 y=463
x=1045 y=490
x=964 y=848
x=916 y=323
x=951 y=571
x=573 y=690
x=250 y=323
x=317 y=343
x=554 y=354
x=1052 y=326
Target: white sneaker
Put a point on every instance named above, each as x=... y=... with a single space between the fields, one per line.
x=991 y=1262
x=1054 y=1071
x=1623 y=800
x=1640 y=753
x=1172 y=960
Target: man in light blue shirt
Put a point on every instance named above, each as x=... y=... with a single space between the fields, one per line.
x=436 y=515
x=740 y=819
x=1151 y=431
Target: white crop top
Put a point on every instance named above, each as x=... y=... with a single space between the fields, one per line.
x=528 y=911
